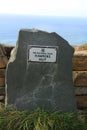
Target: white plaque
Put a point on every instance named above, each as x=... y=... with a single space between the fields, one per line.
x=42 y=54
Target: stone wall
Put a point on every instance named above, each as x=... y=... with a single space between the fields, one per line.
x=79 y=74
x=3 y=63
x=4 y=56
x=80 y=77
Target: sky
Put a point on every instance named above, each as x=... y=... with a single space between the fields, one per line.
x=74 y=8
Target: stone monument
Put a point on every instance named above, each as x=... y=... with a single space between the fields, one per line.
x=39 y=72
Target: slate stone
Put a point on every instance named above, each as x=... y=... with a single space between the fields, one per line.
x=31 y=85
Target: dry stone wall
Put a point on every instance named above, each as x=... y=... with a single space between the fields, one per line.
x=3 y=63
x=79 y=75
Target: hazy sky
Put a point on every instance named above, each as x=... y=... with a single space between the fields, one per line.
x=45 y=7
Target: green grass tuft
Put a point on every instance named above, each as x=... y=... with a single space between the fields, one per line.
x=40 y=120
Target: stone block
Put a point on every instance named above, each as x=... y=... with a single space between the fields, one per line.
x=80 y=61
x=2 y=90
x=2 y=73
x=81 y=101
x=80 y=90
x=2 y=98
x=2 y=82
x=3 y=61
x=2 y=50
x=39 y=72
x=80 y=78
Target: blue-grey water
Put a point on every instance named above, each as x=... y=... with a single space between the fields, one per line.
x=74 y=30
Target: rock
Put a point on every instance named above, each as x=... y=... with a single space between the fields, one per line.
x=80 y=78
x=39 y=72
x=2 y=73
x=2 y=91
x=2 y=98
x=81 y=101
x=3 y=58
x=80 y=61
x=2 y=50
x=3 y=61
x=2 y=82
x=80 y=90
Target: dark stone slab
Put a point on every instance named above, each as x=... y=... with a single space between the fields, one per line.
x=47 y=85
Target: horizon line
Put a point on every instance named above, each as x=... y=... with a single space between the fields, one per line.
x=43 y=15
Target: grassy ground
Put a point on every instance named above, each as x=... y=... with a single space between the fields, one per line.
x=84 y=46
x=40 y=120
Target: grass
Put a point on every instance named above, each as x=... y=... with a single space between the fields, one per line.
x=40 y=120
x=84 y=46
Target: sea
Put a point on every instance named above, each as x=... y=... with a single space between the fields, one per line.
x=72 y=29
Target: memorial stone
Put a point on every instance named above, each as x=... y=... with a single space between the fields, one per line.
x=39 y=72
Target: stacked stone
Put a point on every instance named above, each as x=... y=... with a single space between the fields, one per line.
x=80 y=78
x=79 y=74
x=3 y=63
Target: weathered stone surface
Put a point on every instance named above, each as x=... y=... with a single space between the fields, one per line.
x=80 y=78
x=3 y=58
x=80 y=90
x=3 y=61
x=2 y=98
x=2 y=90
x=32 y=85
x=80 y=61
x=2 y=82
x=2 y=50
x=2 y=73
x=81 y=101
